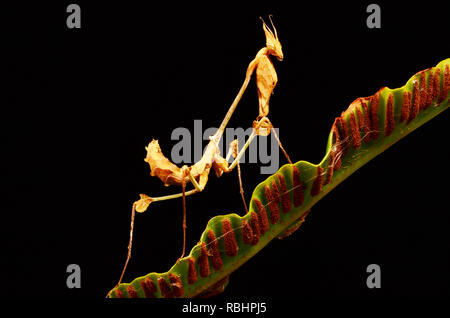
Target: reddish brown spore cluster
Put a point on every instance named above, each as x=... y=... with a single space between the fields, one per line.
x=171 y=289
x=342 y=131
x=256 y=228
x=148 y=287
x=389 y=124
x=329 y=175
x=436 y=84
x=285 y=199
x=231 y=247
x=213 y=251
x=263 y=220
x=299 y=187
x=132 y=292
x=176 y=284
x=208 y=253
x=354 y=128
x=255 y=225
x=430 y=90
x=192 y=271
x=367 y=124
x=415 y=103
x=317 y=184
x=272 y=197
x=406 y=106
x=166 y=291
x=119 y=293
x=445 y=84
x=202 y=261
x=360 y=118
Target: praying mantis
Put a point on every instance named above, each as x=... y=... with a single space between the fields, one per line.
x=197 y=174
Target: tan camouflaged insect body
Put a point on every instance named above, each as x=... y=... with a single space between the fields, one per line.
x=266 y=80
x=197 y=174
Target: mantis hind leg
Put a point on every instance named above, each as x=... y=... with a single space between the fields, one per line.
x=184 y=221
x=130 y=243
x=142 y=205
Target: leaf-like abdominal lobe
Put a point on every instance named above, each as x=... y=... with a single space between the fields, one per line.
x=161 y=167
x=368 y=127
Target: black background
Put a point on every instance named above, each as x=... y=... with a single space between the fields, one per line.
x=80 y=105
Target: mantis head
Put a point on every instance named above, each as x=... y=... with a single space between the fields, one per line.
x=272 y=42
